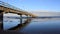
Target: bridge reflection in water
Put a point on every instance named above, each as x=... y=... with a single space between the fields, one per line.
x=20 y=26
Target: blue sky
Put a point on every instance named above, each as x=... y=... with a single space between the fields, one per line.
x=32 y=5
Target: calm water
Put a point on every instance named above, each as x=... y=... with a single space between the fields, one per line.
x=9 y=23
x=35 y=26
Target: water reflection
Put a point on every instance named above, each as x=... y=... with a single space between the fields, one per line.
x=42 y=26
x=20 y=26
x=10 y=23
x=38 y=26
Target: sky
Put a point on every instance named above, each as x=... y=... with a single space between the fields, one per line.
x=36 y=5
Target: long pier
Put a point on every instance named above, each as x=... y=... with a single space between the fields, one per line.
x=7 y=8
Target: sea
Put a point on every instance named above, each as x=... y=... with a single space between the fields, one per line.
x=35 y=26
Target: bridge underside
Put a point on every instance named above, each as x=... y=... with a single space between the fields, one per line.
x=10 y=10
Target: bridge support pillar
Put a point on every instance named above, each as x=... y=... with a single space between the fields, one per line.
x=1 y=20
x=27 y=17
x=20 y=18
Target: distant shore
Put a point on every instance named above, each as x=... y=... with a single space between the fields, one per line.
x=33 y=17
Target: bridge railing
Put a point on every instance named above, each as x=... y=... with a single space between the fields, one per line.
x=9 y=6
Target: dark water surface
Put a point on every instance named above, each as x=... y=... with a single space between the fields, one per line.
x=36 y=26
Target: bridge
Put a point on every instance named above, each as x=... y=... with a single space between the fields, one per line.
x=7 y=8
